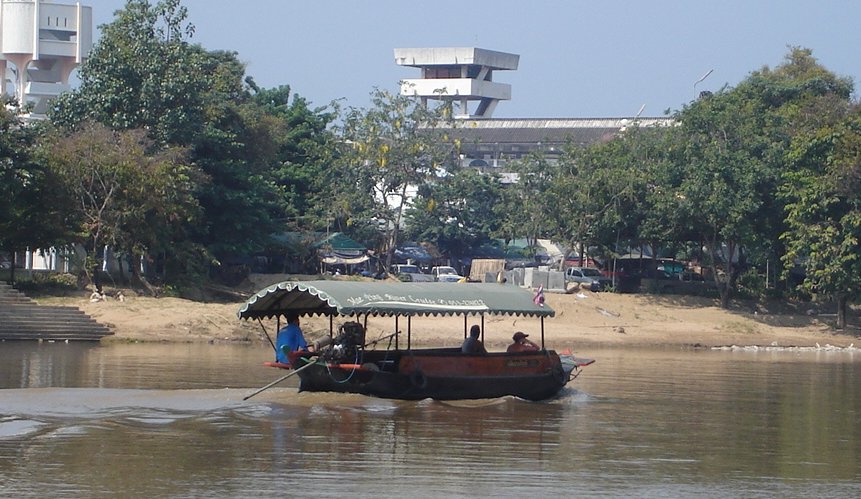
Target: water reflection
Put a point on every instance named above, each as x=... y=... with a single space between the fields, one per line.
x=754 y=415
x=122 y=419
x=213 y=440
x=143 y=365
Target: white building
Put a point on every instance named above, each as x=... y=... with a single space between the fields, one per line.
x=466 y=74
x=460 y=74
x=41 y=43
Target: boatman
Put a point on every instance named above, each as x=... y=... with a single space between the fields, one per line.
x=289 y=339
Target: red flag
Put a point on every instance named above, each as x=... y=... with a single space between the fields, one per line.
x=539 y=296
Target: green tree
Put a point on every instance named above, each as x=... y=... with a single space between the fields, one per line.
x=591 y=188
x=797 y=97
x=664 y=217
x=237 y=151
x=625 y=192
x=396 y=145
x=269 y=157
x=725 y=167
x=456 y=211
x=260 y=152
x=124 y=196
x=824 y=217
x=736 y=150
x=525 y=202
x=142 y=74
x=304 y=155
x=32 y=206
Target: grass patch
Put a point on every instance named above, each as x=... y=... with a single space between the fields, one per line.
x=742 y=327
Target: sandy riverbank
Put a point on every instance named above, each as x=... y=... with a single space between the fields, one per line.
x=582 y=319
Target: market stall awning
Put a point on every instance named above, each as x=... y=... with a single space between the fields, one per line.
x=339 y=249
x=390 y=299
x=335 y=259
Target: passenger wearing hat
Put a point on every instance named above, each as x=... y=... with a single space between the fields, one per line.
x=521 y=344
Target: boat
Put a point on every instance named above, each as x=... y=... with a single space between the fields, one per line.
x=389 y=367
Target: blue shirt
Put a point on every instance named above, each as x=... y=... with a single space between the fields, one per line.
x=289 y=339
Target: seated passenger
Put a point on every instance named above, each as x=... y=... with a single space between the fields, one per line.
x=473 y=344
x=521 y=344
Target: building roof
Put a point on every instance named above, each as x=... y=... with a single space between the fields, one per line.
x=556 y=131
x=456 y=56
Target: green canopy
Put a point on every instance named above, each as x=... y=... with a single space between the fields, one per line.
x=391 y=299
x=338 y=242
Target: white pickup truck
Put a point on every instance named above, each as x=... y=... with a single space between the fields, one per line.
x=445 y=274
x=588 y=278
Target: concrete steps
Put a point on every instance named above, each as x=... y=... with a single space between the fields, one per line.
x=23 y=319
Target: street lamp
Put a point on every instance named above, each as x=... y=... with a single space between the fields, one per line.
x=701 y=79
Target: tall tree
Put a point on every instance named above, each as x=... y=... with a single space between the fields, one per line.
x=725 y=167
x=304 y=156
x=456 y=211
x=32 y=205
x=258 y=150
x=619 y=193
x=124 y=197
x=824 y=216
x=142 y=74
x=268 y=153
x=795 y=98
x=525 y=202
x=737 y=143
x=397 y=146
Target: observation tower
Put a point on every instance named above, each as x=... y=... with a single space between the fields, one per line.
x=458 y=74
x=41 y=43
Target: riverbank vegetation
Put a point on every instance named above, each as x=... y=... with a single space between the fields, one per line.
x=171 y=153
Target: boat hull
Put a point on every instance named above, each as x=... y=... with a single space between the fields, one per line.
x=441 y=375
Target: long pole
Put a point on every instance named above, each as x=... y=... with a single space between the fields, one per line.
x=267 y=335
x=700 y=80
x=270 y=385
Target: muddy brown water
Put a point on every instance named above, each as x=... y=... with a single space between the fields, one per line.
x=140 y=420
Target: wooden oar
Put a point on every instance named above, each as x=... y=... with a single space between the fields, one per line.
x=270 y=385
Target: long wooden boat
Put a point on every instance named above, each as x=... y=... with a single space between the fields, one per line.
x=350 y=363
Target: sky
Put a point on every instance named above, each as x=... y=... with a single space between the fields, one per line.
x=578 y=59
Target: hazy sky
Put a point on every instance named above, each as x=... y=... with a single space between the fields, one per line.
x=578 y=59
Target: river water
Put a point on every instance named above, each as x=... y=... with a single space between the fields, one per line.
x=142 y=420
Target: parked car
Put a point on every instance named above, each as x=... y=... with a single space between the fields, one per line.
x=685 y=282
x=410 y=273
x=445 y=273
x=588 y=278
x=404 y=269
